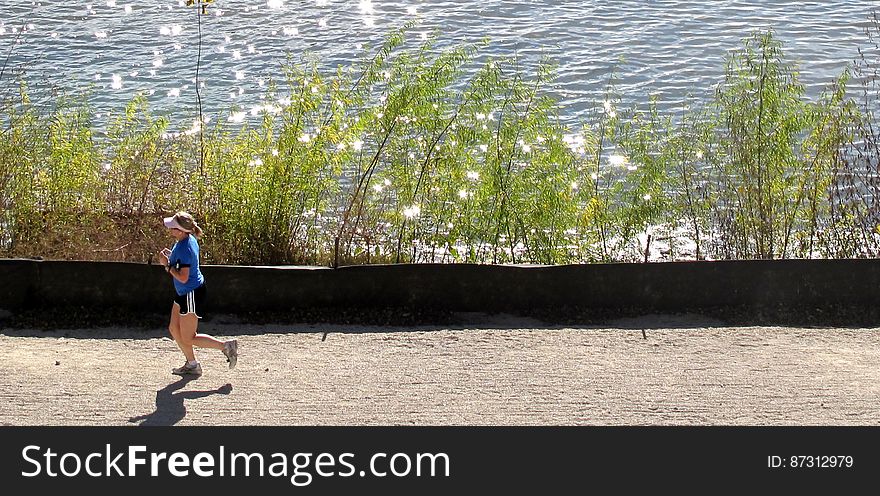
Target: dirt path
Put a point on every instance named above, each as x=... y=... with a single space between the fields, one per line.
x=497 y=371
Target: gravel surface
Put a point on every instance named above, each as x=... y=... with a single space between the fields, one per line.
x=496 y=370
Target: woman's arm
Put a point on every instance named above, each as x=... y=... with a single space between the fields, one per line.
x=181 y=274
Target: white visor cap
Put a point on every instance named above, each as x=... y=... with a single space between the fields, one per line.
x=171 y=223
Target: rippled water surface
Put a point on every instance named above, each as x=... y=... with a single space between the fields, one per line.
x=672 y=49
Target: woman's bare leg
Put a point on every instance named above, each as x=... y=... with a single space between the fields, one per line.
x=189 y=323
x=174 y=328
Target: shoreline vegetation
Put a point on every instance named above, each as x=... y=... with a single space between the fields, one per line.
x=416 y=157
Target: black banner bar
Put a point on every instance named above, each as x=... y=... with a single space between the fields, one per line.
x=415 y=460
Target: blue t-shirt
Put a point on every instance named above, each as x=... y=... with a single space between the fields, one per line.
x=186 y=254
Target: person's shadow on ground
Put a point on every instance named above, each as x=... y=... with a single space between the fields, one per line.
x=169 y=405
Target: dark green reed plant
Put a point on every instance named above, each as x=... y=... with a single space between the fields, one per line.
x=270 y=186
x=813 y=231
x=57 y=189
x=690 y=188
x=644 y=147
x=231 y=205
x=850 y=229
x=768 y=153
x=138 y=160
x=599 y=182
x=373 y=109
x=401 y=143
x=143 y=172
x=19 y=124
x=441 y=165
x=533 y=173
x=463 y=187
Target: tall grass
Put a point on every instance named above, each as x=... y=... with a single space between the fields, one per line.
x=849 y=228
x=421 y=154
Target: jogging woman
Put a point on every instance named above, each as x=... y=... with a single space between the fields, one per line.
x=182 y=263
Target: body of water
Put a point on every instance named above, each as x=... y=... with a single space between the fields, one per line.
x=672 y=49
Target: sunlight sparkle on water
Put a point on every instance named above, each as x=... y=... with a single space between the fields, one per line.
x=412 y=211
x=174 y=30
x=275 y=4
x=117 y=82
x=617 y=160
x=196 y=127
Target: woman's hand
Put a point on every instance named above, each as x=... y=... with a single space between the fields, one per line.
x=163 y=256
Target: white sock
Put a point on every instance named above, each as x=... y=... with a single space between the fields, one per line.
x=192 y=363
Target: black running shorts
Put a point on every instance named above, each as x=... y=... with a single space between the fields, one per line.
x=192 y=302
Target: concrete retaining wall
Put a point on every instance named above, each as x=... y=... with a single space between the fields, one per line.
x=457 y=287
